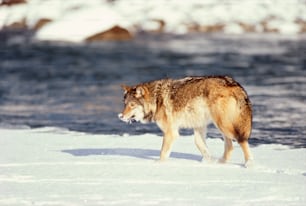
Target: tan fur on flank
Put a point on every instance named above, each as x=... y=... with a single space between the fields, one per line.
x=193 y=102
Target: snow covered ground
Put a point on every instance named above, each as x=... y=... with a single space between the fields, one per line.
x=78 y=19
x=52 y=166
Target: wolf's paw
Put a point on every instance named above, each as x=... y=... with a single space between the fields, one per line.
x=160 y=161
x=208 y=160
x=222 y=160
x=249 y=163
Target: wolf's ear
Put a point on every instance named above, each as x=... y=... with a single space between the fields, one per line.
x=141 y=91
x=125 y=88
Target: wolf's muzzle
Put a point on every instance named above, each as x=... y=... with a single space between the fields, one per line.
x=128 y=120
x=120 y=116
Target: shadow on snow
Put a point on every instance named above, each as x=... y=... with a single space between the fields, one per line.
x=130 y=152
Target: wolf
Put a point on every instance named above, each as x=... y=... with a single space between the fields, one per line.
x=193 y=102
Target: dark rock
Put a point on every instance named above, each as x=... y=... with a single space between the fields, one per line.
x=12 y=2
x=17 y=25
x=114 y=33
x=212 y=28
x=41 y=23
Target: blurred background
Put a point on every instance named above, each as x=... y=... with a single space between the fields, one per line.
x=62 y=62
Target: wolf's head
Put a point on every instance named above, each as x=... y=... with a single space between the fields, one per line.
x=135 y=105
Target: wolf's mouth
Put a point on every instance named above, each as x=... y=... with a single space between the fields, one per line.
x=131 y=119
x=127 y=120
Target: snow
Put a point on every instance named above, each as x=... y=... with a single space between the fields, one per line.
x=233 y=28
x=81 y=24
x=53 y=166
x=11 y=15
x=85 y=18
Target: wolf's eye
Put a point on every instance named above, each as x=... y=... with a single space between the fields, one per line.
x=132 y=104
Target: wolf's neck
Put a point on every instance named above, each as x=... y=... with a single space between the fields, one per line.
x=158 y=90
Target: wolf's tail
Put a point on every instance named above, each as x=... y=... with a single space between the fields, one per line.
x=242 y=125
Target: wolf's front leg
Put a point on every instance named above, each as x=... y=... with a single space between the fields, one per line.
x=168 y=140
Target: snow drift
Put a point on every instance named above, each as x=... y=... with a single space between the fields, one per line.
x=51 y=166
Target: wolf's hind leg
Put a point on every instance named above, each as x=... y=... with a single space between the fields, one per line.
x=200 y=141
x=247 y=153
x=228 y=149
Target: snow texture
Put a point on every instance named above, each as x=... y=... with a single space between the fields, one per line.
x=52 y=166
x=78 y=19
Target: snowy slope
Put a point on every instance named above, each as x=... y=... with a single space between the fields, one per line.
x=78 y=19
x=51 y=166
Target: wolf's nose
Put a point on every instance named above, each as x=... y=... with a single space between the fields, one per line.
x=120 y=115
